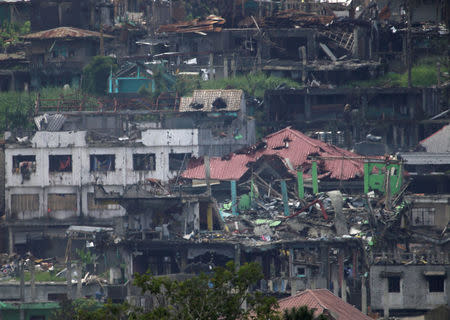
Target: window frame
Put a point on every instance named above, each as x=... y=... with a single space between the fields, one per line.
x=440 y=284
x=54 y=158
x=94 y=157
x=394 y=287
x=141 y=157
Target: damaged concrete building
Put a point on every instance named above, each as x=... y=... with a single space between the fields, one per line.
x=51 y=175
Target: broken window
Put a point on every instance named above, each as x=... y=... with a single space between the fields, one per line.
x=422 y=216
x=62 y=202
x=145 y=162
x=102 y=162
x=178 y=161
x=60 y=163
x=393 y=284
x=436 y=283
x=24 y=163
x=98 y=204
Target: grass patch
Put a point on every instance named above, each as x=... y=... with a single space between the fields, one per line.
x=42 y=276
x=424 y=74
x=253 y=85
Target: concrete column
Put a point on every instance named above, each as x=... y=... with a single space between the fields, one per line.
x=335 y=280
x=225 y=67
x=80 y=276
x=363 y=295
x=233 y=66
x=211 y=66
x=33 y=281
x=69 y=279
x=10 y=241
x=237 y=256
x=344 y=290
x=386 y=299
x=307 y=107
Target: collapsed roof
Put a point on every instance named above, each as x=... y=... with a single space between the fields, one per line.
x=293 y=148
x=212 y=100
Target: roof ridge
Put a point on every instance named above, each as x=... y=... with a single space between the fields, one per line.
x=317 y=298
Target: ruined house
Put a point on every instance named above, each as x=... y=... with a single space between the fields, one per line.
x=57 y=56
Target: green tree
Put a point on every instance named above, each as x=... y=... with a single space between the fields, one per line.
x=220 y=295
x=302 y=313
x=96 y=73
x=10 y=33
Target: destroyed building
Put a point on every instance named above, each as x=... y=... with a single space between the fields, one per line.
x=57 y=56
x=51 y=174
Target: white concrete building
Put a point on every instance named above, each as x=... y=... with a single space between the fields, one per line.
x=53 y=176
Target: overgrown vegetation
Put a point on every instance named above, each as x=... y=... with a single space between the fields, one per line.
x=10 y=33
x=96 y=73
x=218 y=295
x=253 y=84
x=423 y=74
x=43 y=276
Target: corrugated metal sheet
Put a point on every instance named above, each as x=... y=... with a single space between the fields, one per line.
x=425 y=158
x=321 y=300
x=290 y=145
x=438 y=142
x=212 y=23
x=64 y=33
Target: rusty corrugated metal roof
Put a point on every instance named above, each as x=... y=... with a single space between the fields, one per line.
x=212 y=23
x=64 y=33
x=290 y=145
x=322 y=300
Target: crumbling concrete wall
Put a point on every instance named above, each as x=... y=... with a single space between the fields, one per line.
x=11 y=291
x=80 y=180
x=414 y=287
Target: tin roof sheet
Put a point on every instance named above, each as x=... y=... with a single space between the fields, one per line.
x=438 y=142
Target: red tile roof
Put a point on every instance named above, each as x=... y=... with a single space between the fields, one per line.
x=294 y=148
x=323 y=300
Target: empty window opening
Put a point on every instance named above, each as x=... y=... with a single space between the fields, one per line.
x=144 y=162
x=62 y=202
x=423 y=216
x=178 y=161
x=60 y=163
x=24 y=165
x=436 y=283
x=97 y=204
x=219 y=103
x=394 y=284
x=102 y=162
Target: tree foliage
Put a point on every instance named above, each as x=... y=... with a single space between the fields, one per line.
x=96 y=73
x=220 y=295
x=302 y=313
x=10 y=33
